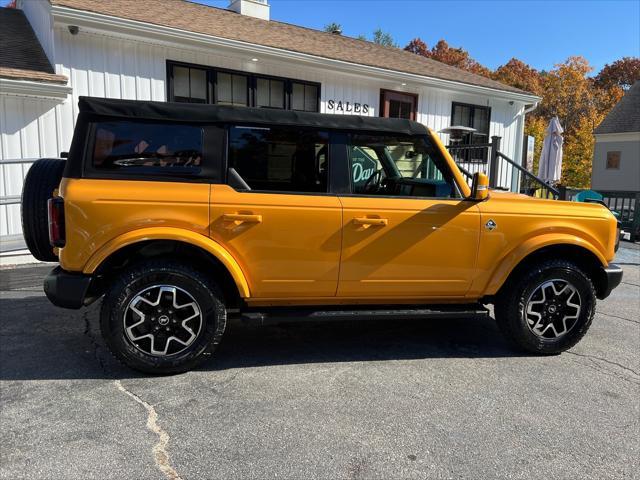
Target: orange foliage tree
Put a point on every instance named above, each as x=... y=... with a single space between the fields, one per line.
x=581 y=102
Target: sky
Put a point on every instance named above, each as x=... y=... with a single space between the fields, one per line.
x=540 y=33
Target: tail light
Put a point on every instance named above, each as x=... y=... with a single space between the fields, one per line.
x=55 y=207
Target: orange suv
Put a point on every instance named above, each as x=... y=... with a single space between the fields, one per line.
x=180 y=216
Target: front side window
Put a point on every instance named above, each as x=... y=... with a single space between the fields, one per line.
x=148 y=147
x=279 y=159
x=408 y=166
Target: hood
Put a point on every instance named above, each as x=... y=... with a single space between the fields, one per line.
x=501 y=201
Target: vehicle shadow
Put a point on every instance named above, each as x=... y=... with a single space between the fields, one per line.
x=40 y=341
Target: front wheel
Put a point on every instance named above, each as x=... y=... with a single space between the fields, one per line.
x=546 y=309
x=162 y=317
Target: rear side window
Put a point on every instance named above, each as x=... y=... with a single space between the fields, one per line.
x=279 y=159
x=147 y=148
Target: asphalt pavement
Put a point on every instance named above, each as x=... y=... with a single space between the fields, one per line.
x=354 y=400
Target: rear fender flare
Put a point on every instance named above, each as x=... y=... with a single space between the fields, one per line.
x=176 y=234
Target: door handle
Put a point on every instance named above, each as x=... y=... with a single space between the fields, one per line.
x=242 y=217
x=370 y=221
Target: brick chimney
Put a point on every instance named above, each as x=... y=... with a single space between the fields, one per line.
x=251 y=8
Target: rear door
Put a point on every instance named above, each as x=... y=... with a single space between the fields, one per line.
x=274 y=214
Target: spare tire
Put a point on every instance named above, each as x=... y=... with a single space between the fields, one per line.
x=42 y=179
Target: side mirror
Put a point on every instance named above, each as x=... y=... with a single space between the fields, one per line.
x=480 y=187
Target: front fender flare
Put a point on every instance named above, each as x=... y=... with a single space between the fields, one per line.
x=511 y=260
x=177 y=234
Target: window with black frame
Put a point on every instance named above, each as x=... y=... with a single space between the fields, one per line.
x=478 y=118
x=190 y=85
x=278 y=159
x=147 y=148
x=200 y=84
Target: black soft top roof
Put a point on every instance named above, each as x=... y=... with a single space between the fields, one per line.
x=189 y=112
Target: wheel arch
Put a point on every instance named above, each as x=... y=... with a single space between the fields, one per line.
x=588 y=258
x=202 y=252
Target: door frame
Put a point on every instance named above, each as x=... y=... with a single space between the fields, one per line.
x=386 y=95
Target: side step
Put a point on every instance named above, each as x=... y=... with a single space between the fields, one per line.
x=305 y=314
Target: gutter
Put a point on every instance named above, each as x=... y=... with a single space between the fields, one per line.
x=530 y=108
x=34 y=89
x=100 y=22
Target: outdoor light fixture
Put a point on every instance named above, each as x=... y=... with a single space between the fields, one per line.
x=73 y=29
x=254 y=59
x=457 y=132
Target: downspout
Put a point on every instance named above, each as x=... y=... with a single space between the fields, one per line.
x=521 y=117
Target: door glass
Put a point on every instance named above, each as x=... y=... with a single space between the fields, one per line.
x=399 y=166
x=280 y=159
x=398 y=109
x=398 y=105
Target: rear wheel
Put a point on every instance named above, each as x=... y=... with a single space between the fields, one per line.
x=163 y=317
x=42 y=179
x=546 y=309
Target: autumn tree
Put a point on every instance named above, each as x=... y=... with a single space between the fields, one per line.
x=568 y=91
x=622 y=73
x=520 y=75
x=442 y=52
x=418 y=47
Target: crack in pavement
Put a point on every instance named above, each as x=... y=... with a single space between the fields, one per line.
x=160 y=453
x=618 y=317
x=593 y=359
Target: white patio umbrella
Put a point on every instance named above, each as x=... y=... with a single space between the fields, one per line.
x=550 y=166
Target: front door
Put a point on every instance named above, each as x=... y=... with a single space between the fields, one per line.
x=398 y=104
x=275 y=215
x=406 y=230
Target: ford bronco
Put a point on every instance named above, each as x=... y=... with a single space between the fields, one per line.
x=179 y=216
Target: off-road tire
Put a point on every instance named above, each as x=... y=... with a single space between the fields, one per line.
x=42 y=179
x=511 y=304
x=128 y=284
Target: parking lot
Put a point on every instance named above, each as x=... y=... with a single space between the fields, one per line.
x=410 y=399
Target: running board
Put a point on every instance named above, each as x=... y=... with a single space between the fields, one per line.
x=284 y=315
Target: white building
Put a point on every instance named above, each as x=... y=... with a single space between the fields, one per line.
x=616 y=156
x=180 y=51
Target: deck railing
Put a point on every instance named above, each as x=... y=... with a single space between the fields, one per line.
x=503 y=172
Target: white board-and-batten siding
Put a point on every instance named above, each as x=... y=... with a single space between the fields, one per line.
x=102 y=65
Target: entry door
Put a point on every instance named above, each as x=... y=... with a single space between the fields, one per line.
x=405 y=233
x=407 y=247
x=398 y=104
x=275 y=216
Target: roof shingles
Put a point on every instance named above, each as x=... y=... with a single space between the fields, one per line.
x=21 y=55
x=625 y=115
x=223 y=23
